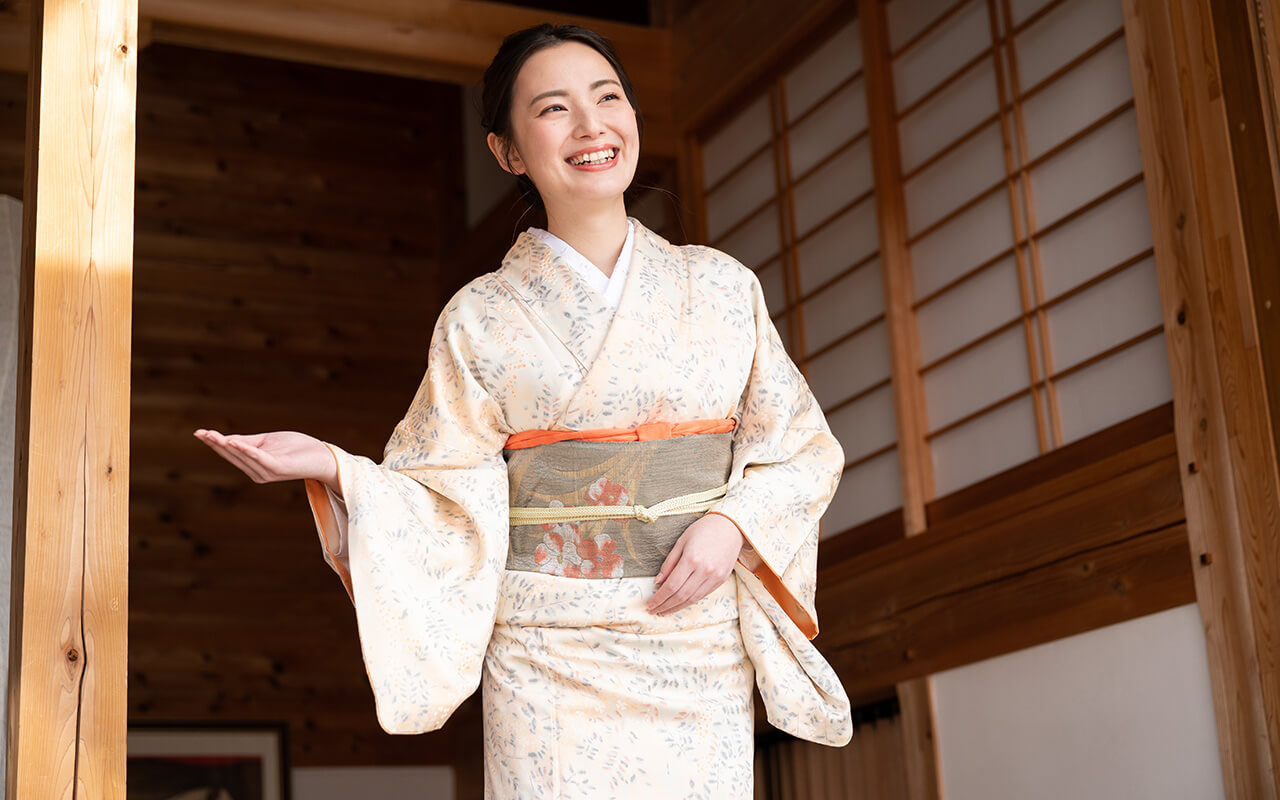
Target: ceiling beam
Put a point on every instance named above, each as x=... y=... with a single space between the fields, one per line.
x=451 y=41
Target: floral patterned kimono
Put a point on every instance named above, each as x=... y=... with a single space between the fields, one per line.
x=586 y=694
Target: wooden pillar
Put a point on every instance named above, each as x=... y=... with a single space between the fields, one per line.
x=915 y=697
x=1213 y=217
x=68 y=670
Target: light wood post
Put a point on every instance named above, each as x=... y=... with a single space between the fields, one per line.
x=1220 y=323
x=68 y=670
x=915 y=697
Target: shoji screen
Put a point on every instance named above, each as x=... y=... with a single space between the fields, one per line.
x=1035 y=290
x=787 y=185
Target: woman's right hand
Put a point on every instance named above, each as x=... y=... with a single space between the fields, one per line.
x=275 y=456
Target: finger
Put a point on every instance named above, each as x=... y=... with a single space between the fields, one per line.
x=670 y=562
x=662 y=597
x=703 y=589
x=219 y=445
x=681 y=590
x=253 y=457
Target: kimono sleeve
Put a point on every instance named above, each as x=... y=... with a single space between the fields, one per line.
x=420 y=540
x=785 y=470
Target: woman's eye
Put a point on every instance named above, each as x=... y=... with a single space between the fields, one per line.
x=610 y=94
x=548 y=108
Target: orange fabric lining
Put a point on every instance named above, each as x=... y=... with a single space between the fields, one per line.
x=641 y=433
x=326 y=524
x=789 y=603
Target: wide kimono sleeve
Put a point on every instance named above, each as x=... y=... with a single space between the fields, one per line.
x=420 y=540
x=785 y=469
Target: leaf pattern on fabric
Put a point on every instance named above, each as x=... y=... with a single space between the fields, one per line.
x=577 y=673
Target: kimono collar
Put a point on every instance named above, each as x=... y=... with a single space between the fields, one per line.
x=608 y=286
x=654 y=294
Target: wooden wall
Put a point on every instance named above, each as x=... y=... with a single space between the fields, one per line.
x=298 y=229
x=290 y=234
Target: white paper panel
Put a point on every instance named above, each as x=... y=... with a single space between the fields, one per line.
x=1100 y=161
x=978 y=305
x=736 y=198
x=731 y=145
x=783 y=326
x=864 y=493
x=757 y=241
x=850 y=367
x=947 y=115
x=955 y=179
x=944 y=51
x=1022 y=9
x=771 y=281
x=1105 y=314
x=865 y=425
x=1062 y=34
x=1119 y=387
x=992 y=370
x=835 y=60
x=1083 y=95
x=963 y=243
x=845 y=177
x=834 y=248
x=992 y=443
x=1095 y=241
x=833 y=123
x=852 y=301
x=906 y=18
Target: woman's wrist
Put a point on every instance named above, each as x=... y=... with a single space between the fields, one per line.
x=330 y=476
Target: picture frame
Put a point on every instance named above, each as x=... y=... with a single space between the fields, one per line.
x=209 y=760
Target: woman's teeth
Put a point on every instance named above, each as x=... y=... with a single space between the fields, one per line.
x=598 y=157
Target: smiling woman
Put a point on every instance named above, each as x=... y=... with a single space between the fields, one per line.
x=602 y=504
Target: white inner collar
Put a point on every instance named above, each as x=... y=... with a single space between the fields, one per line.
x=609 y=287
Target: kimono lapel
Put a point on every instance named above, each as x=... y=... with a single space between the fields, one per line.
x=642 y=330
x=561 y=298
x=645 y=336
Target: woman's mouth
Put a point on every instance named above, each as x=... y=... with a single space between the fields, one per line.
x=594 y=161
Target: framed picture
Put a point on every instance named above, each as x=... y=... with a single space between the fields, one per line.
x=207 y=760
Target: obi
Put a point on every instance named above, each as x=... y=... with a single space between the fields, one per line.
x=611 y=507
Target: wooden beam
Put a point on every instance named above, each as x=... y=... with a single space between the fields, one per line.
x=69 y=604
x=1107 y=544
x=1205 y=261
x=442 y=40
x=915 y=462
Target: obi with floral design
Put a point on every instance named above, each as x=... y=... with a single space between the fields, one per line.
x=601 y=473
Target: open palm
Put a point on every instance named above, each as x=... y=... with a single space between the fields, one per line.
x=274 y=456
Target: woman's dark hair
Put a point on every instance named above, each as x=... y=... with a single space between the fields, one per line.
x=500 y=79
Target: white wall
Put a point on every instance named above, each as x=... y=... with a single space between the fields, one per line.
x=373 y=783
x=1123 y=712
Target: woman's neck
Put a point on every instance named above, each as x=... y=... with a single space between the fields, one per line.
x=597 y=235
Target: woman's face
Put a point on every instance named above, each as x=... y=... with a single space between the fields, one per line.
x=566 y=102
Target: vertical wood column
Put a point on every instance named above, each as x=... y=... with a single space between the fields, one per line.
x=915 y=697
x=1217 y=274
x=68 y=670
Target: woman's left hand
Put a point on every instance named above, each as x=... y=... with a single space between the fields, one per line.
x=703 y=557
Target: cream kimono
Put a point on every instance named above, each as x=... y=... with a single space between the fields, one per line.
x=587 y=694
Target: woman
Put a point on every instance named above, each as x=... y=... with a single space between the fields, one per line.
x=603 y=502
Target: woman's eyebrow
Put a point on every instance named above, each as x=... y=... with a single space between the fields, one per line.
x=564 y=92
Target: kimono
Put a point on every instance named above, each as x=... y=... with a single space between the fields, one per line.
x=585 y=693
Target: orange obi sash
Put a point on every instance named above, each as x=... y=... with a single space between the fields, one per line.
x=641 y=433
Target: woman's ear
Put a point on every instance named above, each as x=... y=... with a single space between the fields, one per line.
x=508 y=157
